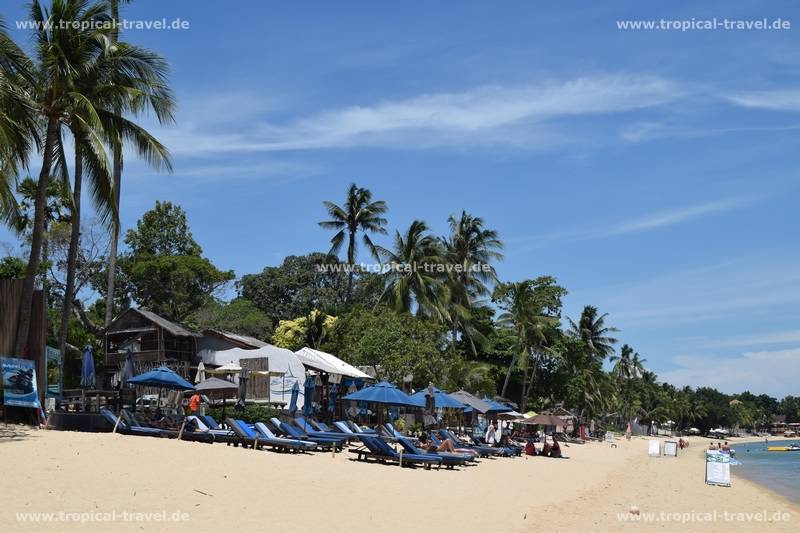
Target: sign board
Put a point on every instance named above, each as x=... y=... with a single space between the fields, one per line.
x=19 y=382
x=671 y=448
x=718 y=469
x=654 y=448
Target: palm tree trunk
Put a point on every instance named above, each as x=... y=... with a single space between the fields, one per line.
x=112 y=252
x=117 y=171
x=351 y=259
x=34 y=260
x=508 y=377
x=72 y=255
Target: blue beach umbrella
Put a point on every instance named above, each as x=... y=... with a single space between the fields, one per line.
x=87 y=369
x=163 y=378
x=384 y=392
x=293 y=401
x=308 y=401
x=442 y=400
x=497 y=407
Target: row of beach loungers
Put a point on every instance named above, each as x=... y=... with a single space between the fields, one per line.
x=383 y=444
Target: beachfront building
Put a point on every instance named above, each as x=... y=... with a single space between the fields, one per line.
x=152 y=340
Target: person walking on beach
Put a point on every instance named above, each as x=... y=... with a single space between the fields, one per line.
x=490 y=435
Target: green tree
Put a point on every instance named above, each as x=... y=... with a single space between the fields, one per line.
x=12 y=267
x=164 y=267
x=306 y=282
x=310 y=330
x=358 y=213
x=592 y=328
x=470 y=250
x=396 y=343
x=240 y=316
x=415 y=274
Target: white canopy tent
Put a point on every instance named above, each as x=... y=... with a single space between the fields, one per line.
x=280 y=360
x=328 y=363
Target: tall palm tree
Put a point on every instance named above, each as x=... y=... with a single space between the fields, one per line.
x=469 y=250
x=592 y=329
x=413 y=277
x=116 y=147
x=68 y=40
x=125 y=78
x=18 y=127
x=359 y=213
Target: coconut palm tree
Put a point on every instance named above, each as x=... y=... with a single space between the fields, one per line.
x=359 y=213
x=469 y=252
x=594 y=332
x=125 y=78
x=68 y=40
x=18 y=127
x=413 y=276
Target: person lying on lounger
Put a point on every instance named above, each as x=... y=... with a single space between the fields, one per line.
x=445 y=446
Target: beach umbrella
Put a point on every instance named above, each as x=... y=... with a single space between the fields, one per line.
x=88 y=380
x=162 y=378
x=219 y=388
x=497 y=407
x=386 y=393
x=201 y=373
x=308 y=400
x=127 y=368
x=544 y=420
x=468 y=399
x=441 y=400
x=293 y=401
x=332 y=398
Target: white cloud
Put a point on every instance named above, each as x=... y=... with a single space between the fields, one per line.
x=779 y=100
x=775 y=372
x=488 y=114
x=648 y=222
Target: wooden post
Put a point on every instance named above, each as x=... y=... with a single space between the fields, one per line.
x=183 y=425
x=401 y=458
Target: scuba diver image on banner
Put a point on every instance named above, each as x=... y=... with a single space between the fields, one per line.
x=19 y=382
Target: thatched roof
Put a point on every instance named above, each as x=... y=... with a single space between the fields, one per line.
x=173 y=328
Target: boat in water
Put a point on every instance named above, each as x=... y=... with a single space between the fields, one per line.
x=790 y=448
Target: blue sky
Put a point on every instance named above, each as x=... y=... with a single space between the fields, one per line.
x=654 y=173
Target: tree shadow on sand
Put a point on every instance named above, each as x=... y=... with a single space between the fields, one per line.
x=14 y=432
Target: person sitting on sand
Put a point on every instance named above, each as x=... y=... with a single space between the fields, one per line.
x=530 y=448
x=712 y=446
x=546 y=449
x=555 y=449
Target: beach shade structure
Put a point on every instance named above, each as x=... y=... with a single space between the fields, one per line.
x=472 y=401
x=162 y=378
x=201 y=373
x=544 y=420
x=510 y=415
x=497 y=407
x=308 y=396
x=127 y=368
x=385 y=393
x=441 y=400
x=88 y=379
x=227 y=368
x=219 y=388
x=293 y=401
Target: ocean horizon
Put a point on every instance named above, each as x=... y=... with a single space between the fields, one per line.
x=776 y=471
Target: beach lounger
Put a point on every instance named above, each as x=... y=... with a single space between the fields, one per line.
x=292 y=432
x=267 y=433
x=449 y=459
x=360 y=429
x=308 y=427
x=258 y=440
x=134 y=428
x=380 y=451
x=483 y=451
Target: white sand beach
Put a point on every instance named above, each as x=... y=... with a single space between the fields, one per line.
x=182 y=486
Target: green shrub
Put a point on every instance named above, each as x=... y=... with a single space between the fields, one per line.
x=252 y=413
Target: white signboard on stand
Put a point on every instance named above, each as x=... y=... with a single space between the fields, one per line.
x=654 y=448
x=718 y=469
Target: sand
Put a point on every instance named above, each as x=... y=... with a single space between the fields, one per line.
x=88 y=481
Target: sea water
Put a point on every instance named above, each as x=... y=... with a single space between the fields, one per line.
x=777 y=471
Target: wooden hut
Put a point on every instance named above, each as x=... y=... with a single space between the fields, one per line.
x=154 y=341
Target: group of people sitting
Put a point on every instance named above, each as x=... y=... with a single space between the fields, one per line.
x=548 y=450
x=721 y=446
